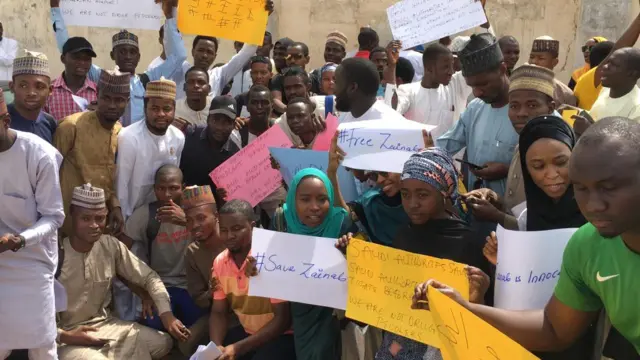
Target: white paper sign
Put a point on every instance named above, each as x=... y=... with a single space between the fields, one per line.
x=528 y=267
x=299 y=268
x=119 y=14
x=209 y=352
x=417 y=22
x=380 y=145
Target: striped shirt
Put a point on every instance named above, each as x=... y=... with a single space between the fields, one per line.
x=61 y=104
x=233 y=285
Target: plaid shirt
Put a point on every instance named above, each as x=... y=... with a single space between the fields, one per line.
x=60 y=104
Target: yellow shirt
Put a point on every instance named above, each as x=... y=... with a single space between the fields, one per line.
x=577 y=74
x=585 y=90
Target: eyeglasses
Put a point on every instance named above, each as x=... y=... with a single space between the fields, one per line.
x=586 y=48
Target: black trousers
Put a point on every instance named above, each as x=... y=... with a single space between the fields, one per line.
x=280 y=348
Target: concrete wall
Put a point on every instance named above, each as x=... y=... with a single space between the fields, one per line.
x=570 y=21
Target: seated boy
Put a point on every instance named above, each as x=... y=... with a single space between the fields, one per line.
x=160 y=227
x=265 y=323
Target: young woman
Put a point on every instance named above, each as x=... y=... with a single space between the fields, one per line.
x=309 y=210
x=429 y=191
x=546 y=143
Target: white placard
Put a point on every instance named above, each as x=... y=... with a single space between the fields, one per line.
x=528 y=267
x=209 y=352
x=380 y=145
x=299 y=268
x=120 y=14
x=417 y=22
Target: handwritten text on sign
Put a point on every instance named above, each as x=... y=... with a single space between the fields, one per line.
x=465 y=336
x=293 y=160
x=382 y=282
x=241 y=20
x=119 y=14
x=417 y=22
x=380 y=145
x=528 y=267
x=299 y=268
x=248 y=175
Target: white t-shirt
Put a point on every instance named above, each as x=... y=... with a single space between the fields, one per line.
x=378 y=111
x=440 y=107
x=626 y=106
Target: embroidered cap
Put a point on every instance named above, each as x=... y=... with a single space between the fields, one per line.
x=88 y=197
x=481 y=53
x=163 y=88
x=3 y=104
x=338 y=38
x=194 y=196
x=124 y=38
x=31 y=63
x=114 y=82
x=532 y=77
x=225 y=105
x=546 y=44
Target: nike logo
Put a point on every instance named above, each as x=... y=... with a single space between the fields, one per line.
x=605 y=278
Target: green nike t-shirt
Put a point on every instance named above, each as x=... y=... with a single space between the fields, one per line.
x=598 y=272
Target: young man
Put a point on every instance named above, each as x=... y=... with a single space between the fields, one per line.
x=208 y=147
x=73 y=91
x=357 y=83
x=195 y=107
x=510 y=51
x=243 y=80
x=90 y=261
x=379 y=57
x=299 y=123
x=367 y=40
x=259 y=107
x=88 y=143
x=530 y=96
x=280 y=54
x=160 y=229
x=334 y=52
x=600 y=261
x=438 y=99
x=8 y=52
x=126 y=54
x=298 y=57
x=31 y=86
x=260 y=69
x=201 y=212
x=31 y=211
x=145 y=147
x=544 y=52
x=484 y=128
x=264 y=322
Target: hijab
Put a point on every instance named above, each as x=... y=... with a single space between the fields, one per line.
x=383 y=215
x=332 y=223
x=542 y=212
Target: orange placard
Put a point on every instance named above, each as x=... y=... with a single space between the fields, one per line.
x=240 y=20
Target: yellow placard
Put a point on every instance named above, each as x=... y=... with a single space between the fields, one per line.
x=382 y=282
x=241 y=20
x=464 y=336
x=567 y=114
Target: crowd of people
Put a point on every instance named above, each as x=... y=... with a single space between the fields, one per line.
x=115 y=242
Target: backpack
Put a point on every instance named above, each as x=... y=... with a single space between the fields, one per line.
x=244 y=133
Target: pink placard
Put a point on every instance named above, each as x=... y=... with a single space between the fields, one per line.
x=248 y=175
x=323 y=140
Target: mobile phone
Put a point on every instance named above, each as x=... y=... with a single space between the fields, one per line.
x=471 y=165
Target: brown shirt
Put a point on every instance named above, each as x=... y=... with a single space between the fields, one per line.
x=199 y=261
x=563 y=95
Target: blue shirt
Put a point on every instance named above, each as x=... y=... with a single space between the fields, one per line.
x=44 y=126
x=488 y=135
x=174 y=49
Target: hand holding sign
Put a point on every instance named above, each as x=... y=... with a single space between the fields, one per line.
x=465 y=336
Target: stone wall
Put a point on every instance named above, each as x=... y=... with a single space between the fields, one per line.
x=570 y=21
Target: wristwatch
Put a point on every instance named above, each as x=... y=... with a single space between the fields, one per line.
x=21 y=244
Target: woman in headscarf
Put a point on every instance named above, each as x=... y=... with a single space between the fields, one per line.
x=586 y=51
x=328 y=78
x=545 y=147
x=429 y=194
x=309 y=210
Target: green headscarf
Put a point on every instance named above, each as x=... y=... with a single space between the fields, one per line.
x=330 y=227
